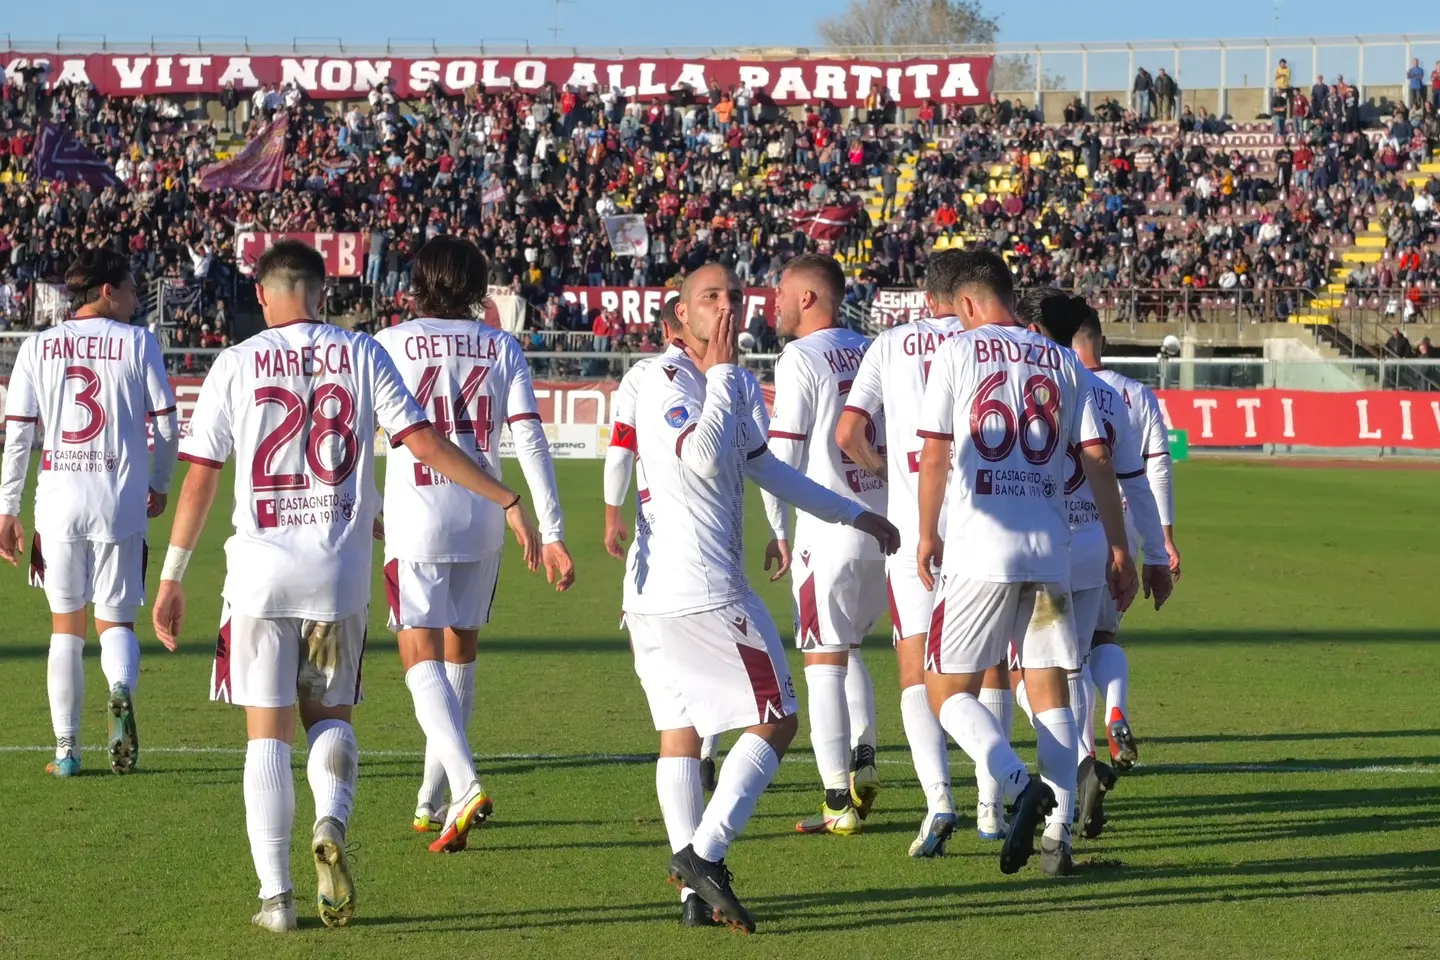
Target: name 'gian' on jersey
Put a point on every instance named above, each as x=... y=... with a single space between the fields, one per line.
x=1011 y=401
x=813 y=378
x=89 y=384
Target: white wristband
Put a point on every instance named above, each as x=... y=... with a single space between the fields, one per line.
x=176 y=560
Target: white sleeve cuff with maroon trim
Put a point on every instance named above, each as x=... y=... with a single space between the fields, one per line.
x=399 y=437
x=203 y=461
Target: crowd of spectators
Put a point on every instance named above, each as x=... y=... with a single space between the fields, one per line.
x=1150 y=207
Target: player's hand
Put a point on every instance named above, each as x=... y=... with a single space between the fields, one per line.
x=169 y=613
x=518 y=519
x=881 y=529
x=929 y=557
x=721 y=348
x=1155 y=580
x=155 y=505
x=1124 y=583
x=1173 y=552
x=377 y=529
x=778 y=552
x=559 y=568
x=615 y=535
x=12 y=539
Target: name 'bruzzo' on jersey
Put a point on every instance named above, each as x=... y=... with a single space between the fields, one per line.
x=1012 y=401
x=298 y=406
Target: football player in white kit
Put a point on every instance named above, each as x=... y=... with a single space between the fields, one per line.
x=442 y=546
x=85 y=388
x=1018 y=400
x=1108 y=666
x=838 y=573
x=298 y=406
x=620 y=463
x=884 y=401
x=706 y=651
x=1058 y=315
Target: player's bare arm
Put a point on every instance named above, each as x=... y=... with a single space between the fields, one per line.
x=852 y=435
x=934 y=474
x=448 y=460
x=798 y=490
x=197 y=495
x=1100 y=471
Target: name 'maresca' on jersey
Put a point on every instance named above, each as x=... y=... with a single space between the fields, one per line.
x=470 y=380
x=88 y=386
x=298 y=406
x=1012 y=402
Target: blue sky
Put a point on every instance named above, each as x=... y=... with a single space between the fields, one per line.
x=656 y=23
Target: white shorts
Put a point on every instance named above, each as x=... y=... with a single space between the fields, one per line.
x=1087 y=604
x=266 y=662
x=837 y=599
x=715 y=671
x=79 y=572
x=1110 y=616
x=976 y=621
x=433 y=596
x=910 y=603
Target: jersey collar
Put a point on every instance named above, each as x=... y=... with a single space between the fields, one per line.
x=291 y=323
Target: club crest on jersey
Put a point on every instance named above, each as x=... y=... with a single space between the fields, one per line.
x=112 y=460
x=1048 y=487
x=347 y=507
x=677 y=417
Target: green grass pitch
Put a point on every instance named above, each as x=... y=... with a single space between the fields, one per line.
x=1288 y=804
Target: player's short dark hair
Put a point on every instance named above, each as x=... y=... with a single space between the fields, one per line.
x=667 y=314
x=1051 y=309
x=450 y=277
x=291 y=264
x=91 y=271
x=824 y=268
x=985 y=270
x=1088 y=325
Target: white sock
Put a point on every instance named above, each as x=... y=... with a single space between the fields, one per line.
x=1086 y=733
x=333 y=769
x=860 y=695
x=682 y=802
x=1022 y=699
x=1055 y=744
x=461 y=677
x=979 y=735
x=65 y=682
x=1001 y=704
x=928 y=749
x=1079 y=707
x=1112 y=674
x=829 y=723
x=438 y=711
x=269 y=812
x=120 y=657
x=748 y=769
x=709 y=747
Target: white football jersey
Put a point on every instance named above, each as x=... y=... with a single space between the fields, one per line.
x=888 y=389
x=298 y=406
x=813 y=377
x=688 y=551
x=1018 y=400
x=1089 y=548
x=469 y=379
x=1147 y=421
x=89 y=385
x=622 y=406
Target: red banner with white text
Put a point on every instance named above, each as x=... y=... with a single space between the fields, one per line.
x=638 y=307
x=344 y=253
x=955 y=80
x=1246 y=418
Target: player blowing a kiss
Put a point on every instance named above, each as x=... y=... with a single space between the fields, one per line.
x=298 y=406
x=838 y=573
x=85 y=388
x=1002 y=404
x=706 y=651
x=443 y=543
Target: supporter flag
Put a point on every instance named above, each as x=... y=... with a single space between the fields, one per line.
x=260 y=166
x=59 y=156
x=826 y=223
x=629 y=237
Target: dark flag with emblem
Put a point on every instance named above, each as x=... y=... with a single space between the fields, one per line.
x=60 y=156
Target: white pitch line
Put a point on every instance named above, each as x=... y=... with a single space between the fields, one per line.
x=1162 y=768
